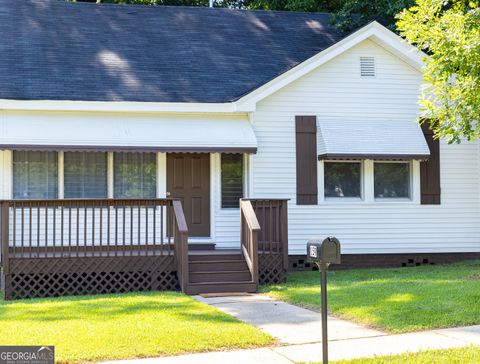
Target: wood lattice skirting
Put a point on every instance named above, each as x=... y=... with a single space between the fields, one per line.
x=271 y=269
x=50 y=277
x=352 y=261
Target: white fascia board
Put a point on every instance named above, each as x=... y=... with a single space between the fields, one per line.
x=118 y=106
x=374 y=31
x=399 y=47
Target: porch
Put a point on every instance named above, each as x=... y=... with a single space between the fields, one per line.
x=92 y=246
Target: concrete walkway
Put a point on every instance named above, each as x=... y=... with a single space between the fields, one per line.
x=290 y=324
x=299 y=335
x=383 y=345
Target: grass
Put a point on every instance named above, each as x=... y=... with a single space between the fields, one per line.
x=466 y=355
x=92 y=328
x=396 y=300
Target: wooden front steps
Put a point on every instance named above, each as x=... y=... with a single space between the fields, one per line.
x=218 y=271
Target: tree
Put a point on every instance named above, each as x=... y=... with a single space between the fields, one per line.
x=347 y=14
x=353 y=14
x=449 y=31
x=296 y=5
x=220 y=3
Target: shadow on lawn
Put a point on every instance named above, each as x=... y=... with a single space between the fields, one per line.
x=398 y=299
x=104 y=307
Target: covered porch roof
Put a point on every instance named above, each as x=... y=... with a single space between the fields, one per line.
x=193 y=133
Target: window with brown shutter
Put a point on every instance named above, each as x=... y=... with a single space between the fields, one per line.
x=430 y=170
x=306 y=147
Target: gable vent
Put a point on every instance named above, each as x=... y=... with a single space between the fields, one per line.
x=367 y=66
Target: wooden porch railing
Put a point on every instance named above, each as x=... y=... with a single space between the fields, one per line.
x=272 y=216
x=181 y=244
x=264 y=231
x=93 y=227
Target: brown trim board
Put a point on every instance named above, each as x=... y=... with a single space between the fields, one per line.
x=306 y=159
x=430 y=170
x=405 y=157
x=396 y=260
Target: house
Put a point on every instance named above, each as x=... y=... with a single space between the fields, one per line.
x=129 y=134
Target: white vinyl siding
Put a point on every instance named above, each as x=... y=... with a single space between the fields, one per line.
x=337 y=90
x=334 y=90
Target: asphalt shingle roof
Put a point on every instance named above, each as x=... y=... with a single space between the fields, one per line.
x=56 y=50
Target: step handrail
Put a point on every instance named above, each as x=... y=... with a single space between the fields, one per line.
x=249 y=228
x=181 y=244
x=272 y=215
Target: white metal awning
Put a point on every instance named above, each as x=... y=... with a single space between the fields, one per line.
x=371 y=139
x=137 y=132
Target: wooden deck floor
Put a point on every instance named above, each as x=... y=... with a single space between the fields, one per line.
x=140 y=252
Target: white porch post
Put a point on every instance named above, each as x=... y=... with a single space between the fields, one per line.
x=161 y=175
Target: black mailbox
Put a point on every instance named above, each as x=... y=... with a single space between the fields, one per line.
x=323 y=253
x=327 y=251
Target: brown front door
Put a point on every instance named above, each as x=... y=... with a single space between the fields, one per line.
x=188 y=178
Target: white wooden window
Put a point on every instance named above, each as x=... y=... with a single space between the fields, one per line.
x=44 y=175
x=134 y=175
x=231 y=180
x=85 y=175
x=370 y=181
x=35 y=175
x=392 y=180
x=342 y=179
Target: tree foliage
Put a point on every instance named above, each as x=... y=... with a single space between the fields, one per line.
x=296 y=5
x=352 y=14
x=449 y=31
x=348 y=14
x=150 y=2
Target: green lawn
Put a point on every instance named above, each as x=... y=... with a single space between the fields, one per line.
x=466 y=355
x=397 y=300
x=91 y=328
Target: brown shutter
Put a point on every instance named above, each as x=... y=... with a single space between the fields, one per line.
x=430 y=170
x=306 y=145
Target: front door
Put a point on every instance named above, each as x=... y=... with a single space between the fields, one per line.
x=188 y=178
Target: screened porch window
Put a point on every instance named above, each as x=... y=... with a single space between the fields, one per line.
x=85 y=175
x=392 y=180
x=134 y=175
x=35 y=175
x=343 y=179
x=232 y=180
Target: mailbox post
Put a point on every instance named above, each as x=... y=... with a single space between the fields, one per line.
x=323 y=254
